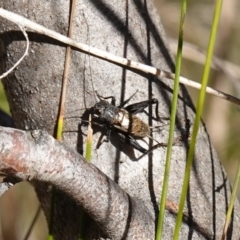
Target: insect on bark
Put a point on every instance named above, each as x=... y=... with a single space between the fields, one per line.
x=128 y=126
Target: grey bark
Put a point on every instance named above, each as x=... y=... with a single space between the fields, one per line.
x=126 y=28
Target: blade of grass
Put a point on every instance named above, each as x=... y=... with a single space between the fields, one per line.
x=231 y=204
x=65 y=74
x=3 y=100
x=200 y=105
x=172 y=123
x=50 y=224
x=33 y=223
x=88 y=156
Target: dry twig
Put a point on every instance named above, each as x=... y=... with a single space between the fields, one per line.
x=21 y=21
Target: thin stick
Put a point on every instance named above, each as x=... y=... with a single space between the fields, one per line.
x=110 y=57
x=23 y=56
x=62 y=107
x=65 y=75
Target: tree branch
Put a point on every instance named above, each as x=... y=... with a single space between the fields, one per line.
x=35 y=155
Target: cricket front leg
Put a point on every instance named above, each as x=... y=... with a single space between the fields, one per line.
x=108 y=134
x=113 y=99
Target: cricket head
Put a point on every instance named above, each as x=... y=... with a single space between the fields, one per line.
x=100 y=107
x=104 y=111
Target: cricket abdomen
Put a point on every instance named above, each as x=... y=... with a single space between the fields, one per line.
x=139 y=128
x=131 y=124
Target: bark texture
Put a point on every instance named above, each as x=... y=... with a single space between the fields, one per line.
x=131 y=29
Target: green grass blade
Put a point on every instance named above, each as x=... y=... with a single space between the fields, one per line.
x=88 y=156
x=51 y=222
x=200 y=105
x=172 y=123
x=89 y=140
x=59 y=128
x=231 y=204
x=3 y=100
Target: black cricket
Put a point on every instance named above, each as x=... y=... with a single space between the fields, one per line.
x=128 y=126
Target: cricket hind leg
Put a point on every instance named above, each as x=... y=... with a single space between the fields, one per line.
x=128 y=139
x=176 y=142
x=140 y=106
x=125 y=138
x=156 y=146
x=127 y=100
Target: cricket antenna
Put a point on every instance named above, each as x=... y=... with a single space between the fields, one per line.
x=89 y=63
